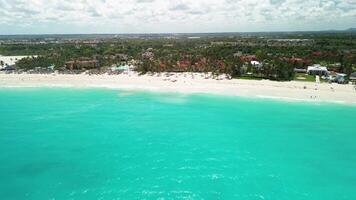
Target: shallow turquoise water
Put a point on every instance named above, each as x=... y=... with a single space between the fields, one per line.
x=107 y=144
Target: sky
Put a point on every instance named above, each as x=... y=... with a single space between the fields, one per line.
x=173 y=16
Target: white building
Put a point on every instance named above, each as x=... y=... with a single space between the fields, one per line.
x=10 y=60
x=317 y=69
x=256 y=64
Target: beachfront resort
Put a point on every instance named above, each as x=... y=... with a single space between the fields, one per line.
x=177 y=99
x=235 y=65
x=235 y=56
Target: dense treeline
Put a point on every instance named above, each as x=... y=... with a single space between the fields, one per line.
x=276 y=69
x=214 y=54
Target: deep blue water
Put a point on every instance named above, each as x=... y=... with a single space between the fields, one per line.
x=107 y=144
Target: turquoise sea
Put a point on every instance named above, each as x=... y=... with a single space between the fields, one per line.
x=109 y=144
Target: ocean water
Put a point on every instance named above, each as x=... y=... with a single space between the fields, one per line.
x=108 y=144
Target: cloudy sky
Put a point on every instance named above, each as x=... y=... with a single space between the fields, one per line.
x=154 y=16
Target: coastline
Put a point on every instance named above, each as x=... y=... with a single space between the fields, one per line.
x=189 y=83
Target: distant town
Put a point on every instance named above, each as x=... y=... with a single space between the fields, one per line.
x=300 y=56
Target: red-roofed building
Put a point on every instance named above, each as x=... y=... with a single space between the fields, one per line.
x=317 y=53
x=299 y=60
x=182 y=65
x=248 y=58
x=200 y=64
x=221 y=64
x=162 y=65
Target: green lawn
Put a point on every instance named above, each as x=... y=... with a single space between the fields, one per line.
x=249 y=78
x=304 y=77
x=297 y=77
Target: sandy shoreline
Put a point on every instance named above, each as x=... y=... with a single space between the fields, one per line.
x=192 y=83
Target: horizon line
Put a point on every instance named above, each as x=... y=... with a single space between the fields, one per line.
x=157 y=33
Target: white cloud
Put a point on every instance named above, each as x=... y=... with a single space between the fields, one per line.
x=121 y=16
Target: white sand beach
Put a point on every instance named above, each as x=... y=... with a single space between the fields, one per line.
x=192 y=83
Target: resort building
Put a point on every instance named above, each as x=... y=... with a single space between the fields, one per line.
x=317 y=70
x=182 y=66
x=7 y=68
x=238 y=54
x=82 y=64
x=10 y=60
x=256 y=64
x=148 y=55
x=248 y=58
x=298 y=62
